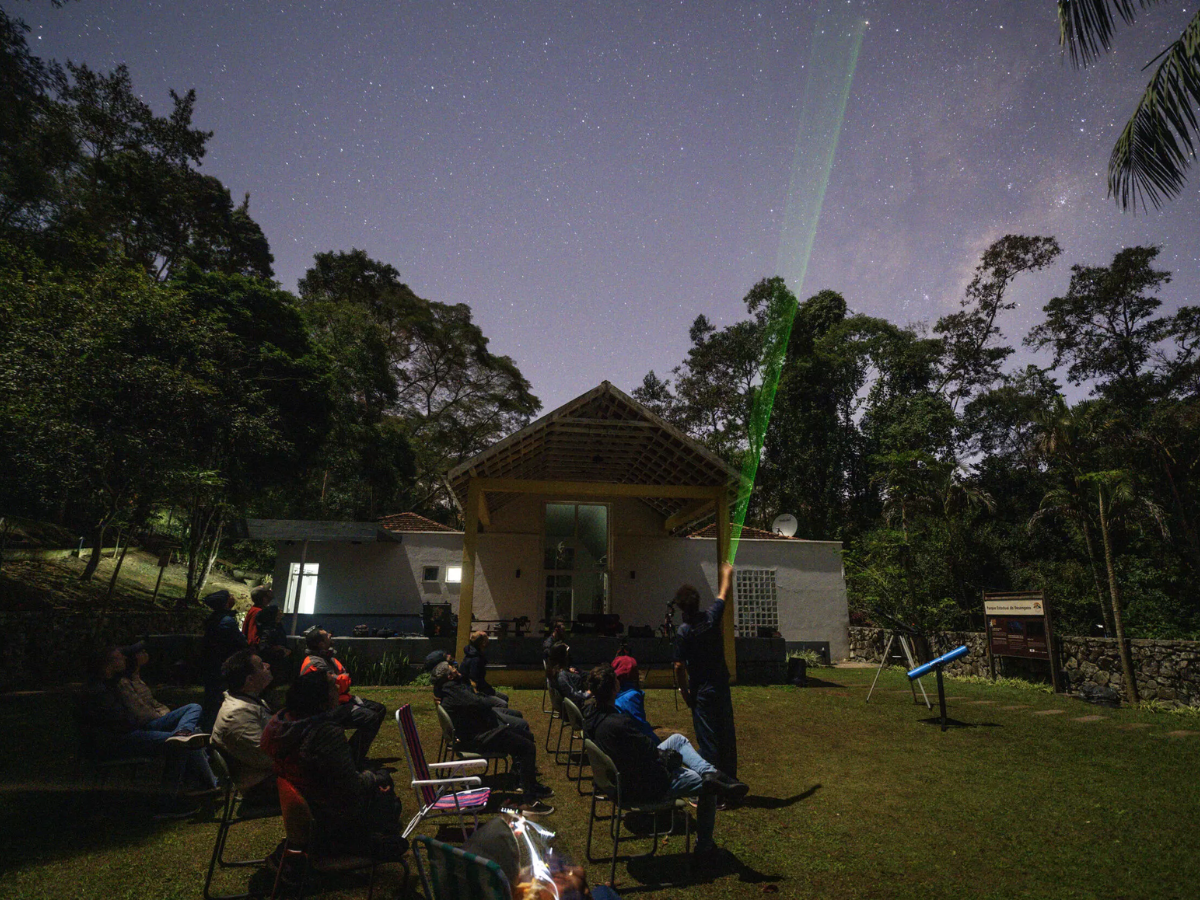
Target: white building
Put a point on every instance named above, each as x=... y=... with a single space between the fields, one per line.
x=592 y=509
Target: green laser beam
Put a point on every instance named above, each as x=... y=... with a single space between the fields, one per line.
x=833 y=56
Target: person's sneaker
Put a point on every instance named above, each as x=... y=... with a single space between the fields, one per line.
x=188 y=739
x=536 y=808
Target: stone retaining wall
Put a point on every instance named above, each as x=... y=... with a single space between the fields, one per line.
x=46 y=647
x=1165 y=670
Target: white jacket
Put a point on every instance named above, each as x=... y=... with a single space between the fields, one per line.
x=237 y=733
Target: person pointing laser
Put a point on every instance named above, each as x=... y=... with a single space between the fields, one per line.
x=701 y=673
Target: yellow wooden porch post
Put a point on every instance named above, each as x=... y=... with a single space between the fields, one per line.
x=730 y=605
x=466 y=593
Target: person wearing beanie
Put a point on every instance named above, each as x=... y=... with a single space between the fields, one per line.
x=478 y=727
x=222 y=639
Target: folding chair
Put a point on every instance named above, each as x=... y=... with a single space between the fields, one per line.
x=452 y=747
x=545 y=687
x=300 y=840
x=555 y=713
x=438 y=796
x=234 y=809
x=574 y=719
x=453 y=874
x=606 y=782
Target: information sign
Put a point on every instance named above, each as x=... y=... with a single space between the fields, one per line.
x=1018 y=626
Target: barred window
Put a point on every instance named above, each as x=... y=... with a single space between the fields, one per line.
x=757 y=601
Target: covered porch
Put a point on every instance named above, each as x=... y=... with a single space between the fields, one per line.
x=583 y=514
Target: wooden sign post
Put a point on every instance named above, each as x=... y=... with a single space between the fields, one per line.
x=1018 y=626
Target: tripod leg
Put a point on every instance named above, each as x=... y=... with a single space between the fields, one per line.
x=912 y=664
x=941 y=697
x=883 y=662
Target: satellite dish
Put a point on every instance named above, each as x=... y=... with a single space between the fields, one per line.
x=785 y=525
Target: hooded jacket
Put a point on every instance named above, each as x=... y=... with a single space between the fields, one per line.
x=315 y=662
x=474 y=670
x=312 y=753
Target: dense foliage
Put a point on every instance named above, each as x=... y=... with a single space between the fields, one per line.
x=946 y=473
x=152 y=374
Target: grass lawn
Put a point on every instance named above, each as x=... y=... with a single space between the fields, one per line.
x=847 y=800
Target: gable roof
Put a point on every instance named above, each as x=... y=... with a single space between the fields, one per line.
x=410 y=522
x=748 y=533
x=605 y=437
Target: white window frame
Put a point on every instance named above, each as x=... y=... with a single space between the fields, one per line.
x=454 y=574
x=308 y=592
x=756 y=600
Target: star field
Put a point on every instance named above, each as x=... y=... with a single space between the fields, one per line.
x=590 y=177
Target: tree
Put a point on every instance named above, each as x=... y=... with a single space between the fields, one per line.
x=1150 y=158
x=970 y=361
x=1105 y=327
x=1117 y=499
x=425 y=363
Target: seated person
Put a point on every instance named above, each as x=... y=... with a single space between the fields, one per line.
x=111 y=732
x=239 y=727
x=474 y=666
x=557 y=635
x=139 y=700
x=351 y=808
x=272 y=643
x=646 y=776
x=630 y=698
x=566 y=681
x=478 y=727
x=514 y=716
x=365 y=716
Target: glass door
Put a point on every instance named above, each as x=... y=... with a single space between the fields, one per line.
x=575 y=561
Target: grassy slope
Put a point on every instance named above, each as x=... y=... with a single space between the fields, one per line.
x=848 y=800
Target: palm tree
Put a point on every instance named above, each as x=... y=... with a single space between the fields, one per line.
x=1117 y=498
x=1063 y=436
x=1156 y=146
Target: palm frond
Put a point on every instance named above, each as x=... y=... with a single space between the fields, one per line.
x=1085 y=27
x=1156 y=146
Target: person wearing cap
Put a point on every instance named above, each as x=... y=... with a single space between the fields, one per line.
x=701 y=674
x=222 y=638
x=630 y=699
x=651 y=770
x=364 y=716
x=140 y=702
x=239 y=727
x=260 y=597
x=474 y=666
x=477 y=726
x=110 y=731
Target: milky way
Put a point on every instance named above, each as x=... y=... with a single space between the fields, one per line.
x=591 y=177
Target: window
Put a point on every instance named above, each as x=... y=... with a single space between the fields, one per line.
x=308 y=592
x=575 y=559
x=453 y=574
x=756 y=601
x=430 y=573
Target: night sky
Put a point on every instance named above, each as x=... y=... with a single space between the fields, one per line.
x=591 y=177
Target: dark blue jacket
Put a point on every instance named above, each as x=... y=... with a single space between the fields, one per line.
x=474 y=669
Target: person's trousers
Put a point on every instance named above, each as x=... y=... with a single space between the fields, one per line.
x=520 y=745
x=687 y=780
x=712 y=717
x=365 y=717
x=181 y=766
x=264 y=794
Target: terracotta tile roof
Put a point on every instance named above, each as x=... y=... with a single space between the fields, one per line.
x=748 y=533
x=411 y=522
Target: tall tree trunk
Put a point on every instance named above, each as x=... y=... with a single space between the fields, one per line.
x=94 y=560
x=112 y=582
x=1131 y=690
x=1105 y=606
x=212 y=555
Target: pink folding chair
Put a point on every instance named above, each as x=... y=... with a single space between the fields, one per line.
x=455 y=795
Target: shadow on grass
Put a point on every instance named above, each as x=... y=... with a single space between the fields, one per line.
x=822 y=683
x=48 y=822
x=653 y=873
x=754 y=801
x=955 y=723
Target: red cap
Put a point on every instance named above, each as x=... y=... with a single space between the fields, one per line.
x=623 y=665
